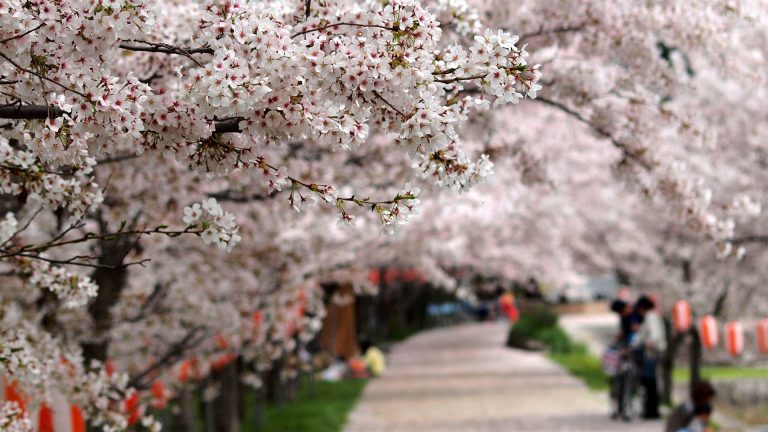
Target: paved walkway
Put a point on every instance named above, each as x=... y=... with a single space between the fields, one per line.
x=594 y=330
x=462 y=378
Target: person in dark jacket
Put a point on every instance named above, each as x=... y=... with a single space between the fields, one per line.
x=629 y=323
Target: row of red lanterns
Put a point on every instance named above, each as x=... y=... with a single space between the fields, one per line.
x=708 y=330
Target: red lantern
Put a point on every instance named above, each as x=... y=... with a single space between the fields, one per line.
x=735 y=338
x=762 y=335
x=681 y=316
x=374 y=276
x=160 y=395
x=708 y=329
x=507 y=303
x=132 y=408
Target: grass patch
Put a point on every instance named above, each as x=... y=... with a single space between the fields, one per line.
x=325 y=411
x=714 y=373
x=538 y=328
x=582 y=364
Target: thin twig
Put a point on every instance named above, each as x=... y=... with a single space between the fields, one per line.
x=41 y=76
x=342 y=24
x=19 y=36
x=77 y=261
x=375 y=93
x=26 y=225
x=92 y=236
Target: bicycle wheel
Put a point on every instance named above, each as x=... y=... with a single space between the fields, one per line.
x=633 y=396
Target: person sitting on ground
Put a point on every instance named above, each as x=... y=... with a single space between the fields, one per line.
x=700 y=422
x=702 y=393
x=374 y=358
x=652 y=340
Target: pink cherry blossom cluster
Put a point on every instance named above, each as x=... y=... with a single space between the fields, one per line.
x=216 y=225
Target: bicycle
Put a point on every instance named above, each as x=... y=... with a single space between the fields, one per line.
x=626 y=392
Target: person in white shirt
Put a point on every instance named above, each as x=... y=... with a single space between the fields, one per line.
x=652 y=341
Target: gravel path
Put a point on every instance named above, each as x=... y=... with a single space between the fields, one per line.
x=462 y=378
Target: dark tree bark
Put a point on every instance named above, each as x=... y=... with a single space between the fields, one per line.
x=186 y=417
x=695 y=357
x=674 y=340
x=111 y=279
x=225 y=406
x=258 y=408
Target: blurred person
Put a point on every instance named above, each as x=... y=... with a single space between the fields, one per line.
x=373 y=357
x=700 y=422
x=508 y=306
x=357 y=367
x=629 y=321
x=702 y=393
x=336 y=371
x=621 y=359
x=651 y=342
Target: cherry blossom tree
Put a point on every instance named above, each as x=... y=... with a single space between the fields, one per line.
x=152 y=152
x=128 y=123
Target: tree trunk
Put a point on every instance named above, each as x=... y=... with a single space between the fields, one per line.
x=258 y=408
x=695 y=357
x=225 y=406
x=274 y=384
x=111 y=279
x=668 y=363
x=186 y=417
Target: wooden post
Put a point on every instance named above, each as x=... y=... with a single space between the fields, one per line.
x=225 y=418
x=186 y=418
x=695 y=357
x=258 y=415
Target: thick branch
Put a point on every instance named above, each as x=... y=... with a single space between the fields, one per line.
x=172 y=355
x=41 y=112
x=231 y=196
x=542 y=31
x=165 y=48
x=754 y=238
x=33 y=250
x=600 y=131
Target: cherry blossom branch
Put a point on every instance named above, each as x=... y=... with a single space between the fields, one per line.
x=754 y=238
x=79 y=261
x=164 y=48
x=192 y=338
x=42 y=112
x=28 y=249
x=228 y=195
x=379 y=96
x=41 y=76
x=563 y=29
x=457 y=79
x=168 y=49
x=157 y=294
x=322 y=189
x=30 y=112
x=21 y=35
x=600 y=131
x=343 y=24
